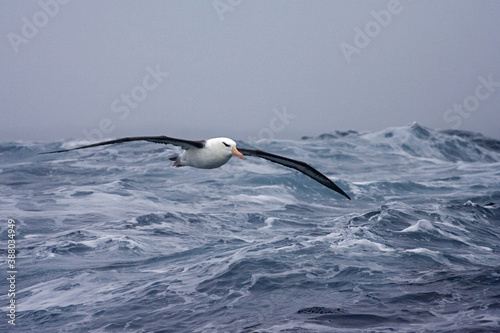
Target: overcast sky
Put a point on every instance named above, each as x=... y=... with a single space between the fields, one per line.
x=246 y=69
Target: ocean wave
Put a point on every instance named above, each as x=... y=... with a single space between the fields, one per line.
x=420 y=142
x=115 y=239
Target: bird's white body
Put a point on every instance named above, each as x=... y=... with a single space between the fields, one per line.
x=217 y=152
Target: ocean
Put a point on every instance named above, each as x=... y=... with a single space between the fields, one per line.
x=115 y=239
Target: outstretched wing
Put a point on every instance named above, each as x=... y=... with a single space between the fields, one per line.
x=297 y=165
x=186 y=144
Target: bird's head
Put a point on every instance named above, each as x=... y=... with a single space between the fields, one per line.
x=226 y=145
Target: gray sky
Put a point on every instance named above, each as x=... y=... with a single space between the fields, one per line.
x=245 y=68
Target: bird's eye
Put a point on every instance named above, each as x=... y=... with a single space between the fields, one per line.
x=225 y=144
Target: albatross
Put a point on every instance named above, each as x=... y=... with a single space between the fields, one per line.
x=213 y=153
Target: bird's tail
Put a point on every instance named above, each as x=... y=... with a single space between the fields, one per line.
x=176 y=163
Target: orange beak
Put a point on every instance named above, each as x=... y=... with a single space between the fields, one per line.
x=236 y=152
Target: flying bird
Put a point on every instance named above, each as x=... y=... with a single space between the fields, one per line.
x=213 y=153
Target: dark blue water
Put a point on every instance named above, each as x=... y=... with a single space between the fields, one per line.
x=114 y=239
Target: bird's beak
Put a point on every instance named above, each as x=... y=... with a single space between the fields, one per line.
x=236 y=152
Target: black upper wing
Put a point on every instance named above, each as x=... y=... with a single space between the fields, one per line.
x=297 y=165
x=186 y=144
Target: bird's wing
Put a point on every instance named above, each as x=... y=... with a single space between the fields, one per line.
x=297 y=165
x=186 y=144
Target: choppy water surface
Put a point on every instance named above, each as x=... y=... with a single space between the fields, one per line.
x=115 y=239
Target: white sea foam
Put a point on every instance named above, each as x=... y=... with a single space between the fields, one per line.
x=421 y=225
x=363 y=244
x=423 y=251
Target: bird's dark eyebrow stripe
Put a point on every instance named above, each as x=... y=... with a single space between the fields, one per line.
x=225 y=144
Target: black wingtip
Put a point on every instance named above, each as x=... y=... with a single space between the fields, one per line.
x=54 y=152
x=331 y=185
x=343 y=193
